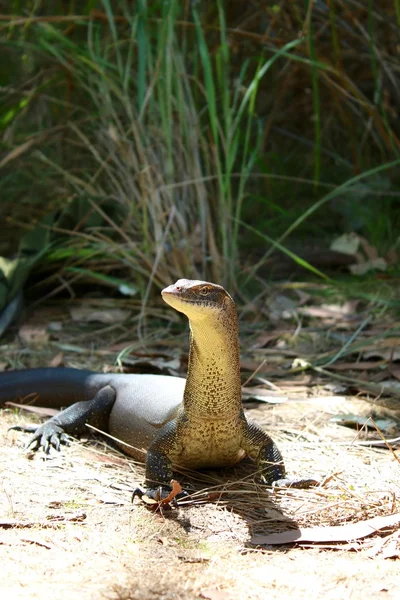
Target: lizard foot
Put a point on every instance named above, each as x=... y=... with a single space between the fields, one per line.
x=46 y=436
x=302 y=484
x=160 y=495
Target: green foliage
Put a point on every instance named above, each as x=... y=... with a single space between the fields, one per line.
x=160 y=137
x=14 y=272
x=166 y=139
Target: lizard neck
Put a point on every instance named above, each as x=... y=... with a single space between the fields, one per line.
x=213 y=388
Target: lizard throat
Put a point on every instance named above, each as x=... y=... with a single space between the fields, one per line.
x=213 y=388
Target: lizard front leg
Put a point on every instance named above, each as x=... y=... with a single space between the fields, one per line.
x=72 y=421
x=159 y=462
x=263 y=450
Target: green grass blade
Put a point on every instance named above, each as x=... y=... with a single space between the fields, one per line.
x=317 y=107
x=143 y=52
x=208 y=76
x=260 y=74
x=125 y=288
x=275 y=244
x=335 y=193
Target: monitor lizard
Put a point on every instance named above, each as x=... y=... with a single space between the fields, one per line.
x=194 y=423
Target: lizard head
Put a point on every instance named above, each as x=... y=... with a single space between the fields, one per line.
x=198 y=300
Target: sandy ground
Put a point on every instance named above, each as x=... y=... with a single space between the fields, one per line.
x=69 y=529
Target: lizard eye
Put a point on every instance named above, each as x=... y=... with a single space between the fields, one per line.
x=204 y=291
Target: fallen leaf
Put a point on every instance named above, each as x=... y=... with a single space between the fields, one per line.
x=358 y=422
x=253 y=366
x=36 y=543
x=394 y=370
x=38 y=410
x=348 y=243
x=110 y=460
x=8 y=523
x=391 y=550
x=379 y=376
x=169 y=366
x=110 y=499
x=57 y=360
x=353 y=546
x=263 y=395
x=370 y=251
x=377 y=264
x=74 y=518
x=336 y=388
x=346 y=309
x=166 y=541
x=281 y=306
x=304 y=297
x=387 y=349
x=106 y=315
x=155 y=503
x=215 y=594
x=386 y=547
x=31 y=334
x=342 y=533
x=264 y=339
x=391 y=386
x=194 y=559
x=392 y=257
x=55 y=326
x=176 y=489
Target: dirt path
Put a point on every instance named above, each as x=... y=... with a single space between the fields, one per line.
x=70 y=531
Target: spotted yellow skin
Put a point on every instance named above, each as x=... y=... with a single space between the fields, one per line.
x=207 y=443
x=210 y=429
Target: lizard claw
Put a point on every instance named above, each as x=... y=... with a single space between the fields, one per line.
x=24 y=428
x=46 y=436
x=160 y=495
x=302 y=484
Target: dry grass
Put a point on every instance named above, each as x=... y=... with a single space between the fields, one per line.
x=69 y=530
x=77 y=535
x=160 y=147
